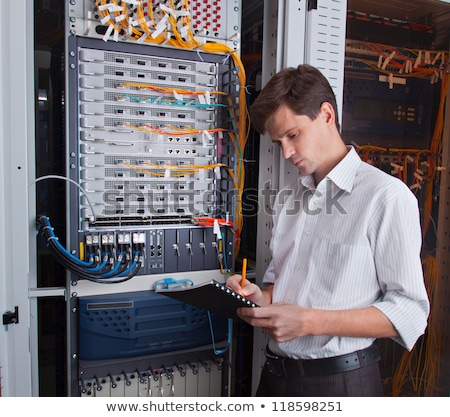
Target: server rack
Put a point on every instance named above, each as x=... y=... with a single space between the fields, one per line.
x=155 y=129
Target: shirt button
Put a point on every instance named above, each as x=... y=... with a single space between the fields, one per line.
x=314 y=203
x=306 y=234
x=299 y=266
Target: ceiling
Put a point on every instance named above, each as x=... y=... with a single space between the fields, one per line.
x=429 y=12
x=400 y=9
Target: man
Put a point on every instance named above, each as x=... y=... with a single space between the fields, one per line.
x=345 y=248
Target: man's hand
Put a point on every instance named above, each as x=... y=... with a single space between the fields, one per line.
x=282 y=322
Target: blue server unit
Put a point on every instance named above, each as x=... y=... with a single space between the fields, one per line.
x=143 y=323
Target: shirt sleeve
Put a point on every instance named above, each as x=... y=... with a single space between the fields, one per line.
x=397 y=241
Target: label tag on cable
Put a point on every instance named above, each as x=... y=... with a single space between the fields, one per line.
x=177 y=95
x=116 y=35
x=183 y=31
x=142 y=38
x=207 y=138
x=133 y=2
x=160 y=27
x=168 y=10
x=108 y=33
x=105 y=19
x=216 y=230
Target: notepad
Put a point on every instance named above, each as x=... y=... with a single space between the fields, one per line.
x=210 y=295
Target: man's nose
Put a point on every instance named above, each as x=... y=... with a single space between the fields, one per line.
x=287 y=150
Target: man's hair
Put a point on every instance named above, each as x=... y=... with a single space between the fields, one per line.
x=302 y=89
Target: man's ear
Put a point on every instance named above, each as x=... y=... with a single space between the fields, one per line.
x=327 y=112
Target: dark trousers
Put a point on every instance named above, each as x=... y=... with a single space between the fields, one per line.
x=362 y=382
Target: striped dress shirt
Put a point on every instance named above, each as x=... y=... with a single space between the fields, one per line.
x=350 y=242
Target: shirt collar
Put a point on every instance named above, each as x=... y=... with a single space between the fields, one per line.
x=342 y=175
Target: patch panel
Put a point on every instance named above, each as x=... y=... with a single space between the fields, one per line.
x=149 y=22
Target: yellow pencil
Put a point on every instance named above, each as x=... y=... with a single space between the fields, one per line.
x=243 y=273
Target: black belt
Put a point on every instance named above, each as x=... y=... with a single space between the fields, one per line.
x=287 y=367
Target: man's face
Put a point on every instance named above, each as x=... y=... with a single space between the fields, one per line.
x=303 y=141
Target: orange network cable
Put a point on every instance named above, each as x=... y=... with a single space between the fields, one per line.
x=172 y=130
x=406 y=156
x=121 y=14
x=106 y=8
x=210 y=221
x=406 y=62
x=186 y=40
x=170 y=170
x=169 y=90
x=103 y=10
x=399 y=161
x=436 y=143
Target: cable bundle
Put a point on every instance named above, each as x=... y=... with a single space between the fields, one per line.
x=432 y=158
x=404 y=62
x=420 y=367
x=105 y=269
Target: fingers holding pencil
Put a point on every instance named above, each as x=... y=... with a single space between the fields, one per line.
x=243 y=274
x=239 y=283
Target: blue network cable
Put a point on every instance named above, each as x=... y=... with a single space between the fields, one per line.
x=89 y=270
x=230 y=336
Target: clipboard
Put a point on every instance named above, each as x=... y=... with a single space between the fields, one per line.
x=210 y=295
